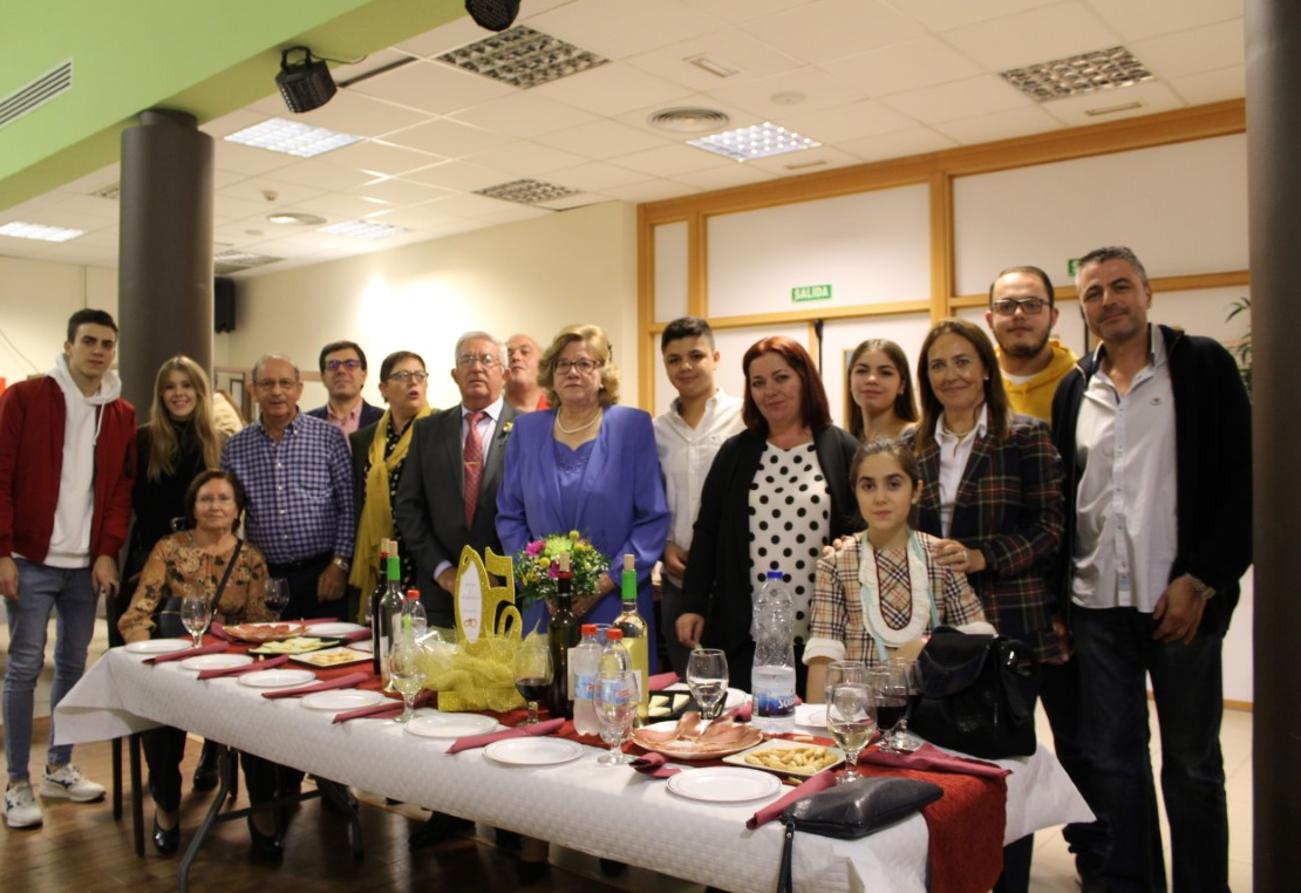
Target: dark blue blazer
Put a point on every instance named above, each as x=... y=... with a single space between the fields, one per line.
x=369 y=414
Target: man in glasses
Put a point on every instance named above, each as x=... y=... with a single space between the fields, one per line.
x=343 y=372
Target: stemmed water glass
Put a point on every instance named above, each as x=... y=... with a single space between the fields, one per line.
x=851 y=722
x=276 y=596
x=707 y=679
x=614 y=696
x=844 y=671
x=196 y=614
x=406 y=674
x=533 y=674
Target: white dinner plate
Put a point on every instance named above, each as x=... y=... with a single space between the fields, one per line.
x=450 y=725
x=215 y=661
x=276 y=678
x=342 y=699
x=724 y=785
x=366 y=646
x=157 y=646
x=331 y=630
x=533 y=751
x=735 y=697
x=811 y=716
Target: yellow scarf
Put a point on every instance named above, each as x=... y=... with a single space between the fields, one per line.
x=376 y=521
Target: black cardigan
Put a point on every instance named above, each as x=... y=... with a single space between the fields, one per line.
x=158 y=503
x=717 y=585
x=1213 y=478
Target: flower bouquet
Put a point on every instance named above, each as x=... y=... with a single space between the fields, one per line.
x=537 y=566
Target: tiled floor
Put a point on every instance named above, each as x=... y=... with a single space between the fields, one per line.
x=1053 y=870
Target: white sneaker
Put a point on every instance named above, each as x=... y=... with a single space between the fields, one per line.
x=68 y=782
x=21 y=808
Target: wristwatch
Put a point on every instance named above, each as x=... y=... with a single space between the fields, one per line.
x=342 y=563
x=1203 y=591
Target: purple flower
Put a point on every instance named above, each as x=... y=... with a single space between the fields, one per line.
x=534 y=548
x=553 y=570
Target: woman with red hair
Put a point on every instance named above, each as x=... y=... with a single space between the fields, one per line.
x=775 y=495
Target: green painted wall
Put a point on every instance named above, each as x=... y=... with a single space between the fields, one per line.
x=207 y=58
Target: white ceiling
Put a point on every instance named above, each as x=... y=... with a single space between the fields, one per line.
x=870 y=79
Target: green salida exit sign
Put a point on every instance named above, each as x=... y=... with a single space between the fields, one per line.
x=802 y=293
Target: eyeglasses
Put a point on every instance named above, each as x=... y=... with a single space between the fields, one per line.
x=486 y=360
x=413 y=377
x=336 y=365
x=1029 y=306
x=584 y=366
x=267 y=384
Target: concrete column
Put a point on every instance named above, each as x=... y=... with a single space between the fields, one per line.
x=165 y=252
x=1273 y=33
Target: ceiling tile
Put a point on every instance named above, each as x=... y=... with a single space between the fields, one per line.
x=449 y=138
x=524 y=114
x=999 y=126
x=848 y=122
x=367 y=64
x=1212 y=86
x=612 y=89
x=351 y=112
x=941 y=15
x=1137 y=20
x=425 y=217
x=461 y=176
x=1038 y=35
x=737 y=117
x=514 y=212
x=737 y=174
x=247 y=160
x=666 y=161
x=790 y=93
x=829 y=29
x=1188 y=52
x=806 y=162
x=232 y=208
x=236 y=121
x=221 y=179
x=596 y=176
x=400 y=192
x=473 y=207
x=380 y=157
x=960 y=99
x=445 y=37
x=620 y=28
x=90 y=210
x=651 y=191
x=1152 y=97
x=568 y=202
x=736 y=50
x=105 y=176
x=320 y=173
x=338 y=206
x=527 y=159
x=284 y=192
x=433 y=87
x=899 y=144
x=603 y=139
x=903 y=66
x=744 y=10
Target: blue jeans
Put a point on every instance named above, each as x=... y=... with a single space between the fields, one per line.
x=42 y=588
x=1115 y=652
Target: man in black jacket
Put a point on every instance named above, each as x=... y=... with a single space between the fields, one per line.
x=1154 y=430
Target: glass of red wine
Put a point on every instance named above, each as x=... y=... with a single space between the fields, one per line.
x=533 y=673
x=890 y=696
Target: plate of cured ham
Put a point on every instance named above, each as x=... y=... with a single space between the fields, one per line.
x=690 y=738
x=265 y=632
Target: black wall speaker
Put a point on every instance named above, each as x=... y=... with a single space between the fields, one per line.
x=223 y=305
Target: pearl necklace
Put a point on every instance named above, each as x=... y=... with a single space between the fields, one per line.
x=560 y=426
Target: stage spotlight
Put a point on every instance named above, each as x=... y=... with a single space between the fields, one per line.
x=495 y=15
x=305 y=84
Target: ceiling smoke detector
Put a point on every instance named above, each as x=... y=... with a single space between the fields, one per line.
x=1107 y=69
x=522 y=58
x=688 y=120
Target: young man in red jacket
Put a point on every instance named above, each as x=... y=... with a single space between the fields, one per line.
x=67 y=466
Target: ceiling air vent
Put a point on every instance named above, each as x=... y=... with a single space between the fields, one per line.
x=227 y=262
x=1077 y=75
x=688 y=120
x=527 y=192
x=112 y=192
x=30 y=97
x=522 y=57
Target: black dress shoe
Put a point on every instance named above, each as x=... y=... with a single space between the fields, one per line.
x=336 y=797
x=529 y=873
x=438 y=827
x=266 y=847
x=166 y=841
x=207 y=772
x=612 y=868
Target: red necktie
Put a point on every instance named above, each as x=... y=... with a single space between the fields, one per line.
x=472 y=456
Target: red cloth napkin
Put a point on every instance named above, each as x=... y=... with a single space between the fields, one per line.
x=820 y=782
x=214 y=648
x=930 y=758
x=656 y=765
x=247 y=668
x=546 y=727
x=355 y=636
x=389 y=709
x=662 y=681
x=218 y=630
x=740 y=713
x=347 y=681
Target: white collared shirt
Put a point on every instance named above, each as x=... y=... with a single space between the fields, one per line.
x=955 y=450
x=487 y=425
x=686 y=454
x=1126 y=530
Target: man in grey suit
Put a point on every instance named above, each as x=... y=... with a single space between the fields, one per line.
x=447 y=498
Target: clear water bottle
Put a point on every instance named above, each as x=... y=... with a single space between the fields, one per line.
x=772 y=678
x=416 y=611
x=584 y=661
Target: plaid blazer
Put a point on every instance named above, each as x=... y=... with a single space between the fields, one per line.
x=1009 y=506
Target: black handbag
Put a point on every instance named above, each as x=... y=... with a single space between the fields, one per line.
x=167 y=622
x=977 y=694
x=853 y=810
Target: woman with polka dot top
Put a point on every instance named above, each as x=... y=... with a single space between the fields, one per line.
x=775 y=495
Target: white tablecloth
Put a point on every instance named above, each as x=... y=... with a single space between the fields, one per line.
x=610 y=812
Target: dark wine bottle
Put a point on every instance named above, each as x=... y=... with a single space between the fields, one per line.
x=563 y=633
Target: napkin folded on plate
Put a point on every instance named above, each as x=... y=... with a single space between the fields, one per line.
x=347 y=681
x=246 y=668
x=661 y=681
x=546 y=727
x=386 y=710
x=820 y=782
x=929 y=758
x=214 y=648
x=656 y=765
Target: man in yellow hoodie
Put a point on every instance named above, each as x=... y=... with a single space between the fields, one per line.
x=1022 y=312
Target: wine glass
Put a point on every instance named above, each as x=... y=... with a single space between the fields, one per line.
x=850 y=720
x=406 y=674
x=902 y=740
x=890 y=695
x=614 y=695
x=196 y=614
x=707 y=679
x=276 y=596
x=844 y=671
x=533 y=674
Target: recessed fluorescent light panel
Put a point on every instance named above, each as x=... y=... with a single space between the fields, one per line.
x=759 y=141
x=19 y=230
x=522 y=58
x=1077 y=75
x=363 y=229
x=527 y=192
x=292 y=138
x=232 y=261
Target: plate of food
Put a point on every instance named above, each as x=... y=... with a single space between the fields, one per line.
x=265 y=632
x=692 y=739
x=330 y=657
x=788 y=758
x=295 y=645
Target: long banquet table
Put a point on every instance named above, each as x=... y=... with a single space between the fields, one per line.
x=611 y=812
